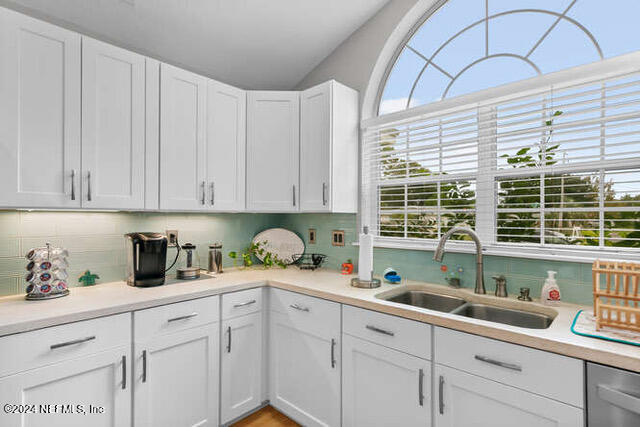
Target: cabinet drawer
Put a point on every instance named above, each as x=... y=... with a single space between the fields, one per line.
x=29 y=350
x=552 y=375
x=307 y=313
x=391 y=331
x=175 y=317
x=240 y=303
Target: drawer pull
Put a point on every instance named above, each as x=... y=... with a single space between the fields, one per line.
x=124 y=372
x=494 y=362
x=244 y=304
x=144 y=366
x=185 y=317
x=380 y=331
x=229 y=342
x=618 y=398
x=441 y=395
x=297 y=307
x=421 y=387
x=73 y=342
x=333 y=353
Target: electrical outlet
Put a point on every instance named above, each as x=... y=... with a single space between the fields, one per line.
x=312 y=236
x=172 y=238
x=337 y=237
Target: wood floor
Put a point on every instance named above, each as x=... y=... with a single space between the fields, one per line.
x=266 y=417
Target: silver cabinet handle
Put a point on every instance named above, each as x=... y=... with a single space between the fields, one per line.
x=185 y=317
x=441 y=395
x=124 y=372
x=324 y=194
x=494 y=362
x=213 y=194
x=294 y=195
x=203 y=185
x=73 y=184
x=72 y=342
x=421 y=387
x=89 y=186
x=229 y=342
x=333 y=353
x=618 y=398
x=144 y=366
x=380 y=331
x=297 y=307
x=244 y=304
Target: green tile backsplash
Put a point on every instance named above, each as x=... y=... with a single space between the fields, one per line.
x=574 y=278
x=95 y=241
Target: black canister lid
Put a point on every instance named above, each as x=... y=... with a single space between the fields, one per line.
x=215 y=246
x=188 y=246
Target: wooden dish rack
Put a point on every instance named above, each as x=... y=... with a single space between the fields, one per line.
x=615 y=294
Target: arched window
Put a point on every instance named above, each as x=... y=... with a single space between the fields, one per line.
x=517 y=118
x=468 y=45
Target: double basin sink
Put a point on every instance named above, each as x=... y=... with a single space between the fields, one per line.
x=455 y=305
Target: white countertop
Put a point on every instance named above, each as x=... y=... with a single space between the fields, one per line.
x=18 y=315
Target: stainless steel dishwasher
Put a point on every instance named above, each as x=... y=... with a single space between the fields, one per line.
x=613 y=397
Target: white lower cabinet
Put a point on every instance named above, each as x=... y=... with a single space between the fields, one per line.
x=241 y=361
x=383 y=387
x=466 y=400
x=304 y=370
x=92 y=390
x=176 y=378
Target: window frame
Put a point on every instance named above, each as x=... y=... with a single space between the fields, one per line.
x=486 y=217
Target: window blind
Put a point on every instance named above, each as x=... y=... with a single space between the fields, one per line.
x=553 y=161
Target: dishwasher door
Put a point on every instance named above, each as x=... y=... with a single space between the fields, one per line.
x=613 y=397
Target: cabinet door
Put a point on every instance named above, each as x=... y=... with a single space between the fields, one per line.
x=91 y=390
x=304 y=373
x=226 y=147
x=241 y=375
x=315 y=148
x=465 y=400
x=176 y=379
x=273 y=123
x=39 y=114
x=383 y=387
x=113 y=126
x=182 y=139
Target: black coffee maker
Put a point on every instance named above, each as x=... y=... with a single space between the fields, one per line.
x=146 y=259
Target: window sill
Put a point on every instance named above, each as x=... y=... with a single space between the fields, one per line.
x=511 y=250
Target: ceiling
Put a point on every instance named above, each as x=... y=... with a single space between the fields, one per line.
x=253 y=44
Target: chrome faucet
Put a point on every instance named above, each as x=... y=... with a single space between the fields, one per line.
x=439 y=253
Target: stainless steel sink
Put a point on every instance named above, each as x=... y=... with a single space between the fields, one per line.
x=423 y=299
x=523 y=319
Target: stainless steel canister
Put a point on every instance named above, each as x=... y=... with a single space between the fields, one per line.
x=215 y=258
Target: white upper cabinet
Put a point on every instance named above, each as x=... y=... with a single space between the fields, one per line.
x=226 y=147
x=329 y=148
x=39 y=114
x=273 y=122
x=113 y=126
x=183 y=154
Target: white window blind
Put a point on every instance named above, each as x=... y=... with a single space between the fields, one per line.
x=552 y=161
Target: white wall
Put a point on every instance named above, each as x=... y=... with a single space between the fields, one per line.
x=361 y=60
x=352 y=62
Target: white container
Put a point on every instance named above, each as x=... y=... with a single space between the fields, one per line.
x=550 y=291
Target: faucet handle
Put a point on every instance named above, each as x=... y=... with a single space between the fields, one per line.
x=501 y=285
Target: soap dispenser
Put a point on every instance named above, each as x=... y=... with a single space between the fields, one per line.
x=550 y=291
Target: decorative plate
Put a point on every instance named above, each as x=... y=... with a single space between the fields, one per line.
x=283 y=243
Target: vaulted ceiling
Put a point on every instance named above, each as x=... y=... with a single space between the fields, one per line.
x=254 y=44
